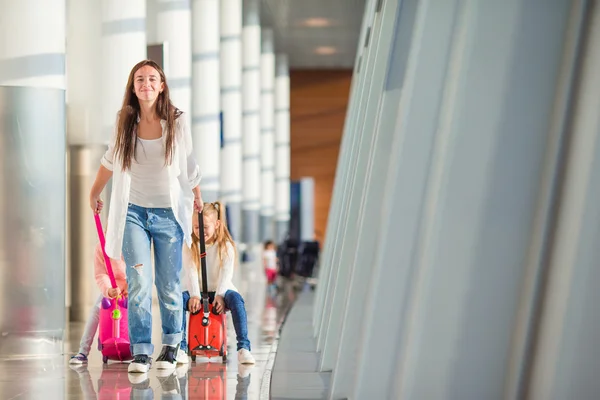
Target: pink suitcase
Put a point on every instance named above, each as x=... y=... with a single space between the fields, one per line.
x=113 y=335
x=114 y=384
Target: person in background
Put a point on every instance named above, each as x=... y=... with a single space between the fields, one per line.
x=270 y=265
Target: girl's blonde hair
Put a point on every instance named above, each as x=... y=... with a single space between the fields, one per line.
x=221 y=237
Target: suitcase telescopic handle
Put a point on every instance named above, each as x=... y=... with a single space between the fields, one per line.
x=202 y=249
x=109 y=269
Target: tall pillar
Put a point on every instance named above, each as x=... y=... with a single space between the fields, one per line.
x=32 y=177
x=251 y=118
x=118 y=30
x=282 y=147
x=231 y=106
x=267 y=134
x=84 y=58
x=206 y=94
x=123 y=46
x=173 y=27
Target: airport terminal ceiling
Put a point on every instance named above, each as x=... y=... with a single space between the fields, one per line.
x=315 y=33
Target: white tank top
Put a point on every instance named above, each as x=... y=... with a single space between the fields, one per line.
x=149 y=175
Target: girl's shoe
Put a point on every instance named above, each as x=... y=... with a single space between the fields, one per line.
x=78 y=358
x=182 y=357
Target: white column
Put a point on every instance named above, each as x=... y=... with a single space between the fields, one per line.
x=173 y=27
x=84 y=137
x=206 y=94
x=32 y=49
x=282 y=146
x=105 y=39
x=32 y=179
x=231 y=106
x=267 y=134
x=251 y=118
x=123 y=33
x=84 y=30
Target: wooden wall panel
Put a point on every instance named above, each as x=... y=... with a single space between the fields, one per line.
x=319 y=99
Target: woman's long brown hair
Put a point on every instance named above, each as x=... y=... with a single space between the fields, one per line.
x=221 y=237
x=126 y=143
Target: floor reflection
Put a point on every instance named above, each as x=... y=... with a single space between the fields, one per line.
x=54 y=378
x=203 y=379
x=207 y=380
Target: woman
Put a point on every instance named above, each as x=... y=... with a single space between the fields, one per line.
x=155 y=187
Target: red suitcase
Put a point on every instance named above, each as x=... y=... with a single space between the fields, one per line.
x=208 y=382
x=207 y=333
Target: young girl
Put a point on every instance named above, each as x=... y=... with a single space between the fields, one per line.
x=270 y=263
x=155 y=187
x=220 y=262
x=106 y=290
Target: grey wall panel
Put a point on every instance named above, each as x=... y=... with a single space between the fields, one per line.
x=32 y=249
x=482 y=202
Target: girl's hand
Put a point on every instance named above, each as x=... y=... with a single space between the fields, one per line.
x=219 y=304
x=96 y=203
x=198 y=203
x=114 y=293
x=194 y=304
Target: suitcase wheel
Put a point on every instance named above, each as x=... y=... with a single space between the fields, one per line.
x=193 y=356
x=223 y=353
x=104 y=359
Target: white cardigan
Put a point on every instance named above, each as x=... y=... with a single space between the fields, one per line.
x=184 y=175
x=219 y=278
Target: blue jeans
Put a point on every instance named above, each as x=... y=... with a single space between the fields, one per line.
x=159 y=227
x=185 y=299
x=233 y=302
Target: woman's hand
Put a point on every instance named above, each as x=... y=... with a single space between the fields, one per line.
x=194 y=304
x=102 y=177
x=198 y=203
x=219 y=304
x=96 y=203
x=113 y=293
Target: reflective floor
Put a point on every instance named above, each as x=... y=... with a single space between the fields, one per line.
x=204 y=379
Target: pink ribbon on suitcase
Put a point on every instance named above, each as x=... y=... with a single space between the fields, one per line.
x=111 y=275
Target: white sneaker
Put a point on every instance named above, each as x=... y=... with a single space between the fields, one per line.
x=137 y=379
x=245 y=357
x=182 y=357
x=244 y=370
x=167 y=357
x=168 y=382
x=78 y=358
x=141 y=364
x=182 y=370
